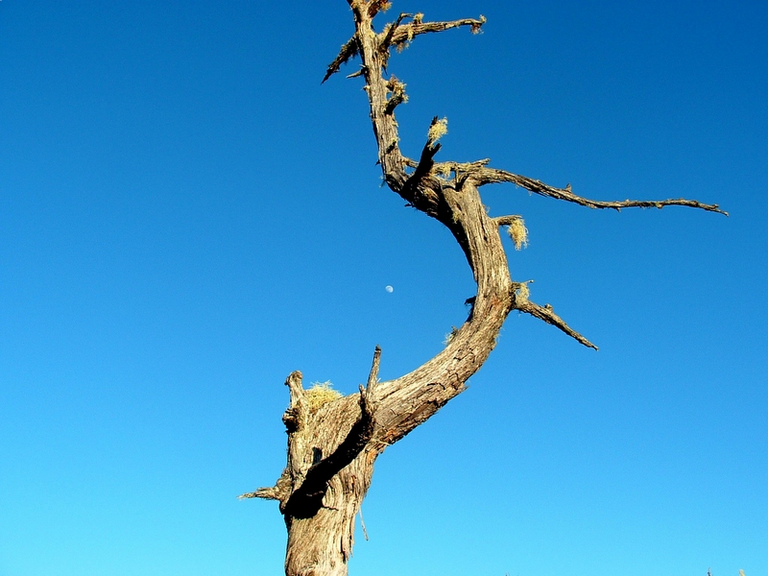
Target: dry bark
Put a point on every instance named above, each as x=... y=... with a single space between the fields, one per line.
x=332 y=447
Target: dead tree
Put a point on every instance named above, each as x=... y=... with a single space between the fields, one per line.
x=334 y=442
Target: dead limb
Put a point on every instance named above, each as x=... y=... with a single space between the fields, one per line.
x=487 y=175
x=547 y=314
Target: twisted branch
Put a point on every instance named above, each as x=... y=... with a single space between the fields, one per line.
x=485 y=175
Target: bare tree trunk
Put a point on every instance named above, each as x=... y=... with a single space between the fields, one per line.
x=321 y=522
x=334 y=442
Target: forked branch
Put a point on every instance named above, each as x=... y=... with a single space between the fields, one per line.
x=396 y=34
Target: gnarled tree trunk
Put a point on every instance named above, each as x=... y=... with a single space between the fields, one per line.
x=333 y=445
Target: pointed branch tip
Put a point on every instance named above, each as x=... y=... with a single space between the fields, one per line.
x=547 y=314
x=348 y=51
x=373 y=376
x=270 y=493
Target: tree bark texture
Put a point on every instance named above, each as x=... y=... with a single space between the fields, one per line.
x=332 y=446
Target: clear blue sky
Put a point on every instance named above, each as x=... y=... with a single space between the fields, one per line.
x=187 y=215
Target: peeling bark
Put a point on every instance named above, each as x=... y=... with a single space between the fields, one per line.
x=332 y=448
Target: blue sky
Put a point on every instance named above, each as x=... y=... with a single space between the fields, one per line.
x=187 y=215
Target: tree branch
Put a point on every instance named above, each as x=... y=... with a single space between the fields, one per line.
x=374 y=6
x=400 y=34
x=373 y=377
x=279 y=491
x=506 y=220
x=547 y=314
x=389 y=31
x=485 y=175
x=416 y=182
x=348 y=51
x=397 y=89
x=270 y=493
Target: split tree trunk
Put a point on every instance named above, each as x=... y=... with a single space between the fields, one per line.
x=332 y=447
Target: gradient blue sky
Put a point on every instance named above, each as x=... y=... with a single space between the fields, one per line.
x=187 y=215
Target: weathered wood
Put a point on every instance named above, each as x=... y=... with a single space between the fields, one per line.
x=332 y=447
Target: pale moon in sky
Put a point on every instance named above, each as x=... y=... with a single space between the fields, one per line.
x=389 y=289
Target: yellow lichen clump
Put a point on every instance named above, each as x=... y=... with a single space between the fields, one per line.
x=519 y=233
x=522 y=293
x=437 y=130
x=321 y=393
x=476 y=28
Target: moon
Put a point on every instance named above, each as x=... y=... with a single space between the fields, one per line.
x=389 y=289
